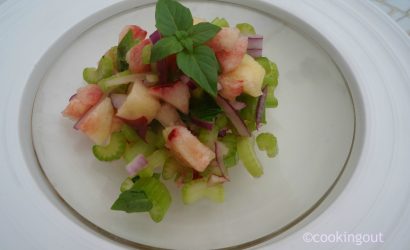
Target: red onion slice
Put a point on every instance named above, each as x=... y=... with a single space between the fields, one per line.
x=186 y=80
x=203 y=124
x=219 y=153
x=233 y=117
x=162 y=67
x=140 y=125
x=255 y=42
x=118 y=100
x=237 y=105
x=136 y=165
x=72 y=97
x=223 y=132
x=155 y=36
x=260 y=107
x=255 y=53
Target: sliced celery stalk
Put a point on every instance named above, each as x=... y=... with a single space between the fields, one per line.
x=221 y=22
x=125 y=77
x=105 y=69
x=156 y=159
x=246 y=29
x=231 y=158
x=126 y=185
x=271 y=100
x=170 y=169
x=130 y=134
x=157 y=193
x=146 y=54
x=139 y=147
x=208 y=137
x=198 y=189
x=247 y=155
x=113 y=151
x=267 y=142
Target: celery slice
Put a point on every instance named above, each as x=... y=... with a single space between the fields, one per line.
x=156 y=159
x=137 y=148
x=170 y=169
x=246 y=29
x=126 y=185
x=215 y=193
x=130 y=134
x=267 y=142
x=146 y=54
x=208 y=137
x=125 y=77
x=231 y=158
x=105 y=69
x=198 y=189
x=113 y=151
x=247 y=155
x=271 y=100
x=157 y=193
x=221 y=22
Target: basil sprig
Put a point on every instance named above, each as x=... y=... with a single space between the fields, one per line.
x=179 y=36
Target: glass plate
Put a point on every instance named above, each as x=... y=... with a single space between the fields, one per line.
x=314 y=124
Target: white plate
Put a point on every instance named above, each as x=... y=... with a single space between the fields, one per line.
x=376 y=68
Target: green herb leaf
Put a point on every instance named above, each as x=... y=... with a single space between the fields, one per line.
x=188 y=44
x=202 y=66
x=132 y=201
x=203 y=32
x=204 y=108
x=165 y=47
x=171 y=16
x=125 y=44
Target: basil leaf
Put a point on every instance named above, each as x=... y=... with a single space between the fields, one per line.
x=132 y=201
x=125 y=44
x=204 y=108
x=202 y=66
x=165 y=47
x=203 y=32
x=171 y=16
x=188 y=44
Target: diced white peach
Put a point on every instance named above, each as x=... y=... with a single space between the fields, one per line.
x=96 y=123
x=230 y=60
x=187 y=148
x=139 y=103
x=134 y=58
x=250 y=72
x=225 y=39
x=230 y=87
x=116 y=124
x=168 y=116
x=176 y=94
x=137 y=32
x=83 y=101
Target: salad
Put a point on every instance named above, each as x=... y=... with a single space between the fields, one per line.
x=183 y=105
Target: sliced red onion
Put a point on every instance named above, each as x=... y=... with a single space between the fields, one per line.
x=220 y=150
x=136 y=165
x=215 y=180
x=223 y=132
x=117 y=100
x=255 y=53
x=191 y=84
x=255 y=42
x=260 y=107
x=140 y=125
x=162 y=67
x=72 y=97
x=233 y=116
x=203 y=124
x=237 y=105
x=154 y=37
